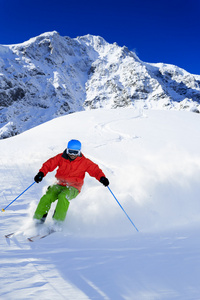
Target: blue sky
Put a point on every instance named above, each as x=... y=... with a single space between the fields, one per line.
x=165 y=31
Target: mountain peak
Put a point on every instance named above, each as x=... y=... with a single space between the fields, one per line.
x=92 y=40
x=50 y=75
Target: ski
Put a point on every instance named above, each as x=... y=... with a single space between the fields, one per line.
x=9 y=235
x=34 y=237
x=40 y=236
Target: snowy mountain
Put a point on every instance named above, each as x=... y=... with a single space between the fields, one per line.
x=49 y=76
x=153 y=164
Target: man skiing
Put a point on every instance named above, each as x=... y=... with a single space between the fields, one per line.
x=72 y=166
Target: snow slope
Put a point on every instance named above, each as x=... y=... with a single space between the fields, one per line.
x=152 y=161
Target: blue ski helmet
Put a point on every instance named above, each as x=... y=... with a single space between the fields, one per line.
x=74 y=145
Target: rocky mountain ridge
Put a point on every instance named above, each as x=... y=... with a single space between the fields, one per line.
x=50 y=75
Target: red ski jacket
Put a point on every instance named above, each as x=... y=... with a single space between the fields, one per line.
x=71 y=172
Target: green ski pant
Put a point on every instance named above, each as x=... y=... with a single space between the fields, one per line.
x=63 y=194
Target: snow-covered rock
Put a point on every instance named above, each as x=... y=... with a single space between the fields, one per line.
x=49 y=76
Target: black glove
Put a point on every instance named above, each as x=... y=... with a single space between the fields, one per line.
x=39 y=177
x=104 y=181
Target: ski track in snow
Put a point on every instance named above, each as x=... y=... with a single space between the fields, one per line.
x=99 y=255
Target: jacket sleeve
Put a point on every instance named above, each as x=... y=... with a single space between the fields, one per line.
x=50 y=164
x=94 y=170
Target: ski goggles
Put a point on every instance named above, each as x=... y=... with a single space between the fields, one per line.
x=73 y=152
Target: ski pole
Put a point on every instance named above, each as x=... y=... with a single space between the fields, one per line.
x=3 y=209
x=123 y=209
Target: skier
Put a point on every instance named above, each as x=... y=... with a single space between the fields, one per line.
x=72 y=166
